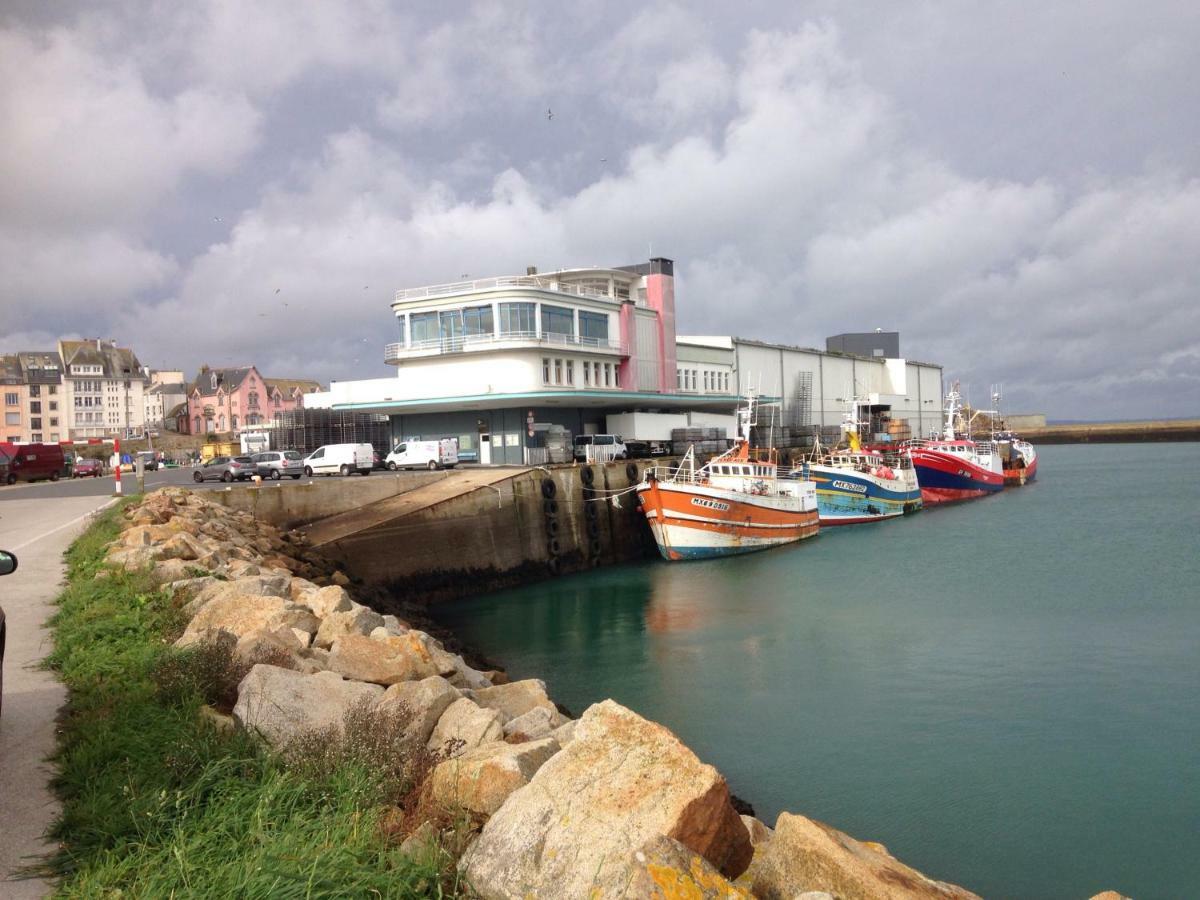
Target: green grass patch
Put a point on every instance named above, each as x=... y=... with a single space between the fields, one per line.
x=159 y=801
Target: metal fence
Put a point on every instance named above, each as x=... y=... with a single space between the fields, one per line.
x=307 y=429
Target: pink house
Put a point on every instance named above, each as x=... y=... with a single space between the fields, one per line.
x=229 y=400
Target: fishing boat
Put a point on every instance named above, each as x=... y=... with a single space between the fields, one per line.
x=954 y=467
x=735 y=503
x=1018 y=459
x=857 y=484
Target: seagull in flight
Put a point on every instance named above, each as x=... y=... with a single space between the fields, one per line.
x=549 y=115
x=216 y=218
x=277 y=290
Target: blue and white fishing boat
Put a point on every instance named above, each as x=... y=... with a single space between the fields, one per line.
x=856 y=485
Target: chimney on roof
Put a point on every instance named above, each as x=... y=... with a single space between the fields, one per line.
x=531 y=270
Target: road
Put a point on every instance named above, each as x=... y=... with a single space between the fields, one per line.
x=103 y=487
x=37 y=527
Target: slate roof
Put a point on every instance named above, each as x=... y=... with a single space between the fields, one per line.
x=227 y=379
x=115 y=362
x=42 y=366
x=10 y=369
x=287 y=385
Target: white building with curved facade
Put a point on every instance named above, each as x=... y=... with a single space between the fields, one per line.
x=492 y=361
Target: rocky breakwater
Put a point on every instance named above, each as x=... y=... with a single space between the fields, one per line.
x=609 y=805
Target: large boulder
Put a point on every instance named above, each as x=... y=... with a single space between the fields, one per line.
x=464 y=726
x=481 y=779
x=806 y=855
x=535 y=724
x=664 y=869
x=385 y=661
x=184 y=546
x=573 y=831
x=242 y=614
x=326 y=600
x=283 y=705
x=421 y=703
x=517 y=698
x=357 y=620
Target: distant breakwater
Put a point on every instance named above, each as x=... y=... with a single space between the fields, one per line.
x=1115 y=432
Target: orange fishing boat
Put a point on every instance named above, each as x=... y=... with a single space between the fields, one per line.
x=735 y=503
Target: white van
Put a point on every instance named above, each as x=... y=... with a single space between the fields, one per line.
x=600 y=447
x=441 y=454
x=344 y=459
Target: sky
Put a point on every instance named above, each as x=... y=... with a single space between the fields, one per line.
x=1014 y=187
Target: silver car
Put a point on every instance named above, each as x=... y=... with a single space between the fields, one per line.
x=226 y=468
x=275 y=464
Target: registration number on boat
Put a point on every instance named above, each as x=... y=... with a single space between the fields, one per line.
x=710 y=504
x=850 y=486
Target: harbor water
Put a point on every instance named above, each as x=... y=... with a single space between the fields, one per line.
x=1006 y=692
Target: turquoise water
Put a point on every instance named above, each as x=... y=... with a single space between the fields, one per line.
x=1006 y=693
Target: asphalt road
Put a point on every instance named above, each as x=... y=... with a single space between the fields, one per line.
x=103 y=487
x=37 y=527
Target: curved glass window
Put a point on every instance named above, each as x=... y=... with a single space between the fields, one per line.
x=518 y=318
x=558 y=320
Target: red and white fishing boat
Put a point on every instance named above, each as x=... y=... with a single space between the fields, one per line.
x=735 y=503
x=955 y=467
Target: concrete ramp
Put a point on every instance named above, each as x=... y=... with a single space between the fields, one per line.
x=476 y=530
x=453 y=485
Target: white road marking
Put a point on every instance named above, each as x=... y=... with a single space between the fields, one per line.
x=75 y=521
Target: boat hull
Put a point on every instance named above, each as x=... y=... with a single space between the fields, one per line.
x=852 y=498
x=694 y=522
x=1018 y=475
x=947 y=478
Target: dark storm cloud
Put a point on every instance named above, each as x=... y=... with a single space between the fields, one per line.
x=250 y=182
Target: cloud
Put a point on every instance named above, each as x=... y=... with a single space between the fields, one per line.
x=798 y=196
x=88 y=144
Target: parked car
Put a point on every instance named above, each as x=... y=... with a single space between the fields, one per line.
x=149 y=460
x=30 y=462
x=226 y=468
x=87 y=468
x=275 y=464
x=607 y=446
x=8 y=565
x=378 y=461
x=441 y=454
x=344 y=459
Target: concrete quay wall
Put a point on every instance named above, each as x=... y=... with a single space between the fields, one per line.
x=287 y=505
x=1115 y=432
x=517 y=527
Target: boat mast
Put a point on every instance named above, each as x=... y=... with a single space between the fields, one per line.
x=953 y=406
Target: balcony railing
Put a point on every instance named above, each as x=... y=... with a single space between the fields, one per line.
x=510 y=281
x=469 y=342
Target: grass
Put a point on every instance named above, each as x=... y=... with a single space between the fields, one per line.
x=159 y=801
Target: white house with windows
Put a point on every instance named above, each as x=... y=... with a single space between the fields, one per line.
x=494 y=361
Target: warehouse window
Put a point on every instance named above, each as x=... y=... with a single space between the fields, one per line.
x=545 y=370
x=570 y=371
x=558 y=378
x=11 y=399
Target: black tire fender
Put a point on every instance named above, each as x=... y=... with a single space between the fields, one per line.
x=631 y=472
x=587 y=476
x=553 y=547
x=550 y=507
x=594 y=546
x=549 y=488
x=551 y=526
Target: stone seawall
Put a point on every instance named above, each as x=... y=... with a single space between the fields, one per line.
x=609 y=805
